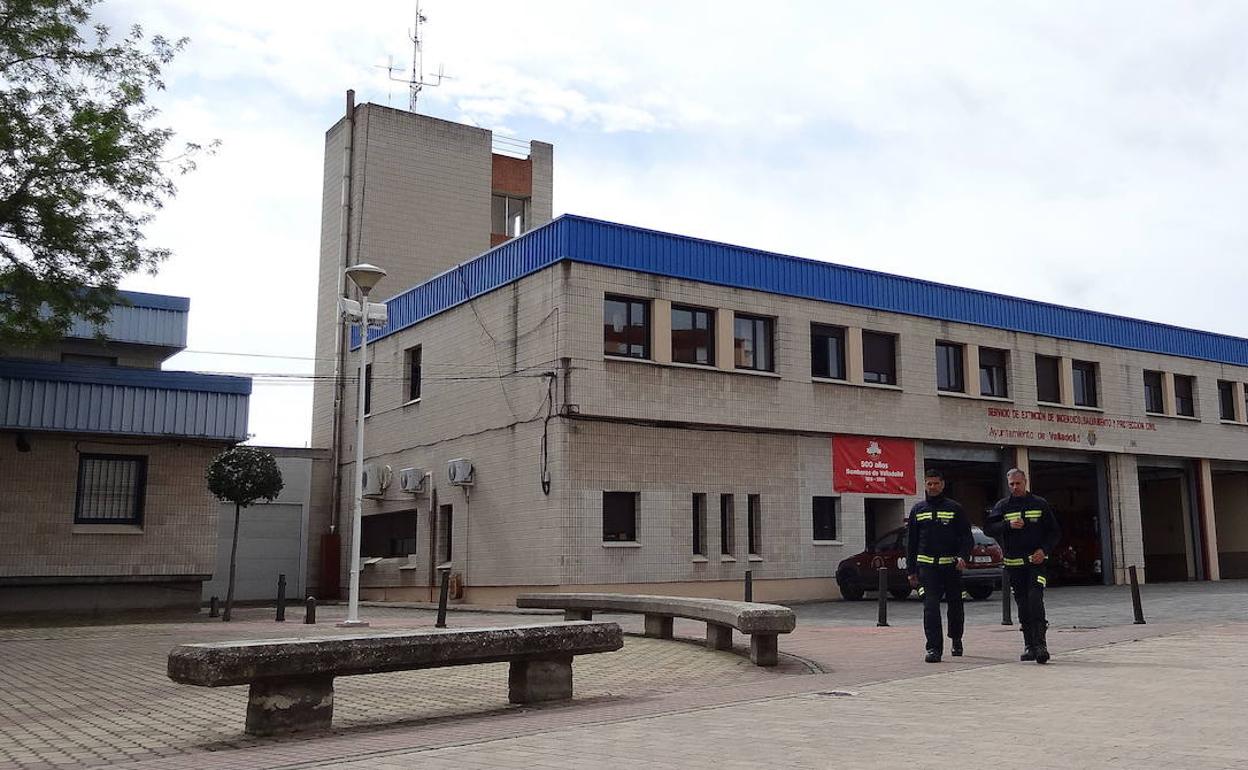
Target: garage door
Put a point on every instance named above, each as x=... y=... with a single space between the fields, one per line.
x=268 y=545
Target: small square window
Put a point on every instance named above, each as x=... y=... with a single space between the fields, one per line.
x=752 y=343
x=1084 y=381
x=388 y=534
x=949 y=370
x=879 y=358
x=1185 y=395
x=626 y=327
x=1048 y=379
x=693 y=335
x=1154 y=400
x=827 y=351
x=619 y=517
x=823 y=518
x=510 y=215
x=111 y=489
x=994 y=368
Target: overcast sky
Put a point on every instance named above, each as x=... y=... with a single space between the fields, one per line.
x=1091 y=154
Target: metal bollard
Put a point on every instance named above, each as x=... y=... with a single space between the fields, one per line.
x=309 y=612
x=883 y=619
x=214 y=608
x=1006 y=619
x=281 y=599
x=1135 y=596
x=442 y=596
x=749 y=585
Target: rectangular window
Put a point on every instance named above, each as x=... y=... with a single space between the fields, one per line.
x=1084 y=381
x=510 y=216
x=368 y=389
x=388 y=534
x=1154 y=401
x=446 y=532
x=1048 y=379
x=727 y=542
x=751 y=343
x=1185 y=395
x=411 y=367
x=626 y=327
x=693 y=335
x=753 y=525
x=827 y=351
x=619 y=517
x=699 y=524
x=110 y=489
x=1226 y=399
x=88 y=360
x=949 y=370
x=879 y=358
x=823 y=518
x=994 y=367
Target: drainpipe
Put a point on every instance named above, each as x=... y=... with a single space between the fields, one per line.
x=344 y=241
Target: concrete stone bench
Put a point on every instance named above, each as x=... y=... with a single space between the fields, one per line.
x=763 y=622
x=292 y=680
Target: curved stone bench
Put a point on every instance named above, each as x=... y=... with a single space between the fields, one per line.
x=763 y=622
x=292 y=680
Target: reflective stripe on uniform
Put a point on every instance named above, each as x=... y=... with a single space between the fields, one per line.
x=1033 y=514
x=1013 y=562
x=925 y=516
x=1013 y=516
x=944 y=514
x=948 y=560
x=1042 y=580
x=921 y=591
x=921 y=559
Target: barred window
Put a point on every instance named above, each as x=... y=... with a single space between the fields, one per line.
x=110 y=489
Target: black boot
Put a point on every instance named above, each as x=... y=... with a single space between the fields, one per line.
x=956 y=649
x=1029 y=646
x=1042 y=648
x=933 y=656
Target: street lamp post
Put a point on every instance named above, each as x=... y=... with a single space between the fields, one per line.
x=365 y=277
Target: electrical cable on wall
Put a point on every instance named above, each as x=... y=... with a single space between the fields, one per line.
x=550 y=413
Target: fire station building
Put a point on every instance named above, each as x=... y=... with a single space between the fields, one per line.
x=592 y=406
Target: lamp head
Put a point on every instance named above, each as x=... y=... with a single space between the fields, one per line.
x=365 y=276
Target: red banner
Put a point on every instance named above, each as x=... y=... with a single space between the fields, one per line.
x=873 y=465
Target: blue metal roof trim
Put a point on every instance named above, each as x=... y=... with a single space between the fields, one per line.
x=117 y=375
x=157 y=301
x=624 y=247
x=497 y=267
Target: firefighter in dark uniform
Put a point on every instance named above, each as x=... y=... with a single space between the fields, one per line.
x=938 y=546
x=1027 y=530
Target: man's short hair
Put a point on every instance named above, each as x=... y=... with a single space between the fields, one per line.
x=1012 y=472
x=933 y=473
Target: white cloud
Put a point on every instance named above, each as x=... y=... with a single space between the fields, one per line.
x=1084 y=154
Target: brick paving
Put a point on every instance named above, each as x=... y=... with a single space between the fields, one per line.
x=97 y=695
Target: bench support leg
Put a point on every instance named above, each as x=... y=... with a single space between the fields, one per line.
x=718 y=637
x=659 y=626
x=290 y=705
x=763 y=650
x=534 y=681
x=578 y=614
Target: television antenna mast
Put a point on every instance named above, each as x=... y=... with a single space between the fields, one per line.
x=416 y=81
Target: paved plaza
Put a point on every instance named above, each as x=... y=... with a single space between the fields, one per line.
x=847 y=693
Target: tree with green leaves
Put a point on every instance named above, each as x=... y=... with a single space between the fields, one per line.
x=242 y=475
x=82 y=167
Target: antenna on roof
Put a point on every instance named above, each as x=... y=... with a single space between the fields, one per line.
x=417 y=79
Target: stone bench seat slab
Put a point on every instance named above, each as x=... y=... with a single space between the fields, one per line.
x=746 y=617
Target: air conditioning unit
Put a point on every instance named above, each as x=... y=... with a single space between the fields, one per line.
x=376 y=479
x=413 y=480
x=459 y=472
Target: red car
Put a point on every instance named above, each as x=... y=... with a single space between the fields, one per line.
x=859 y=574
